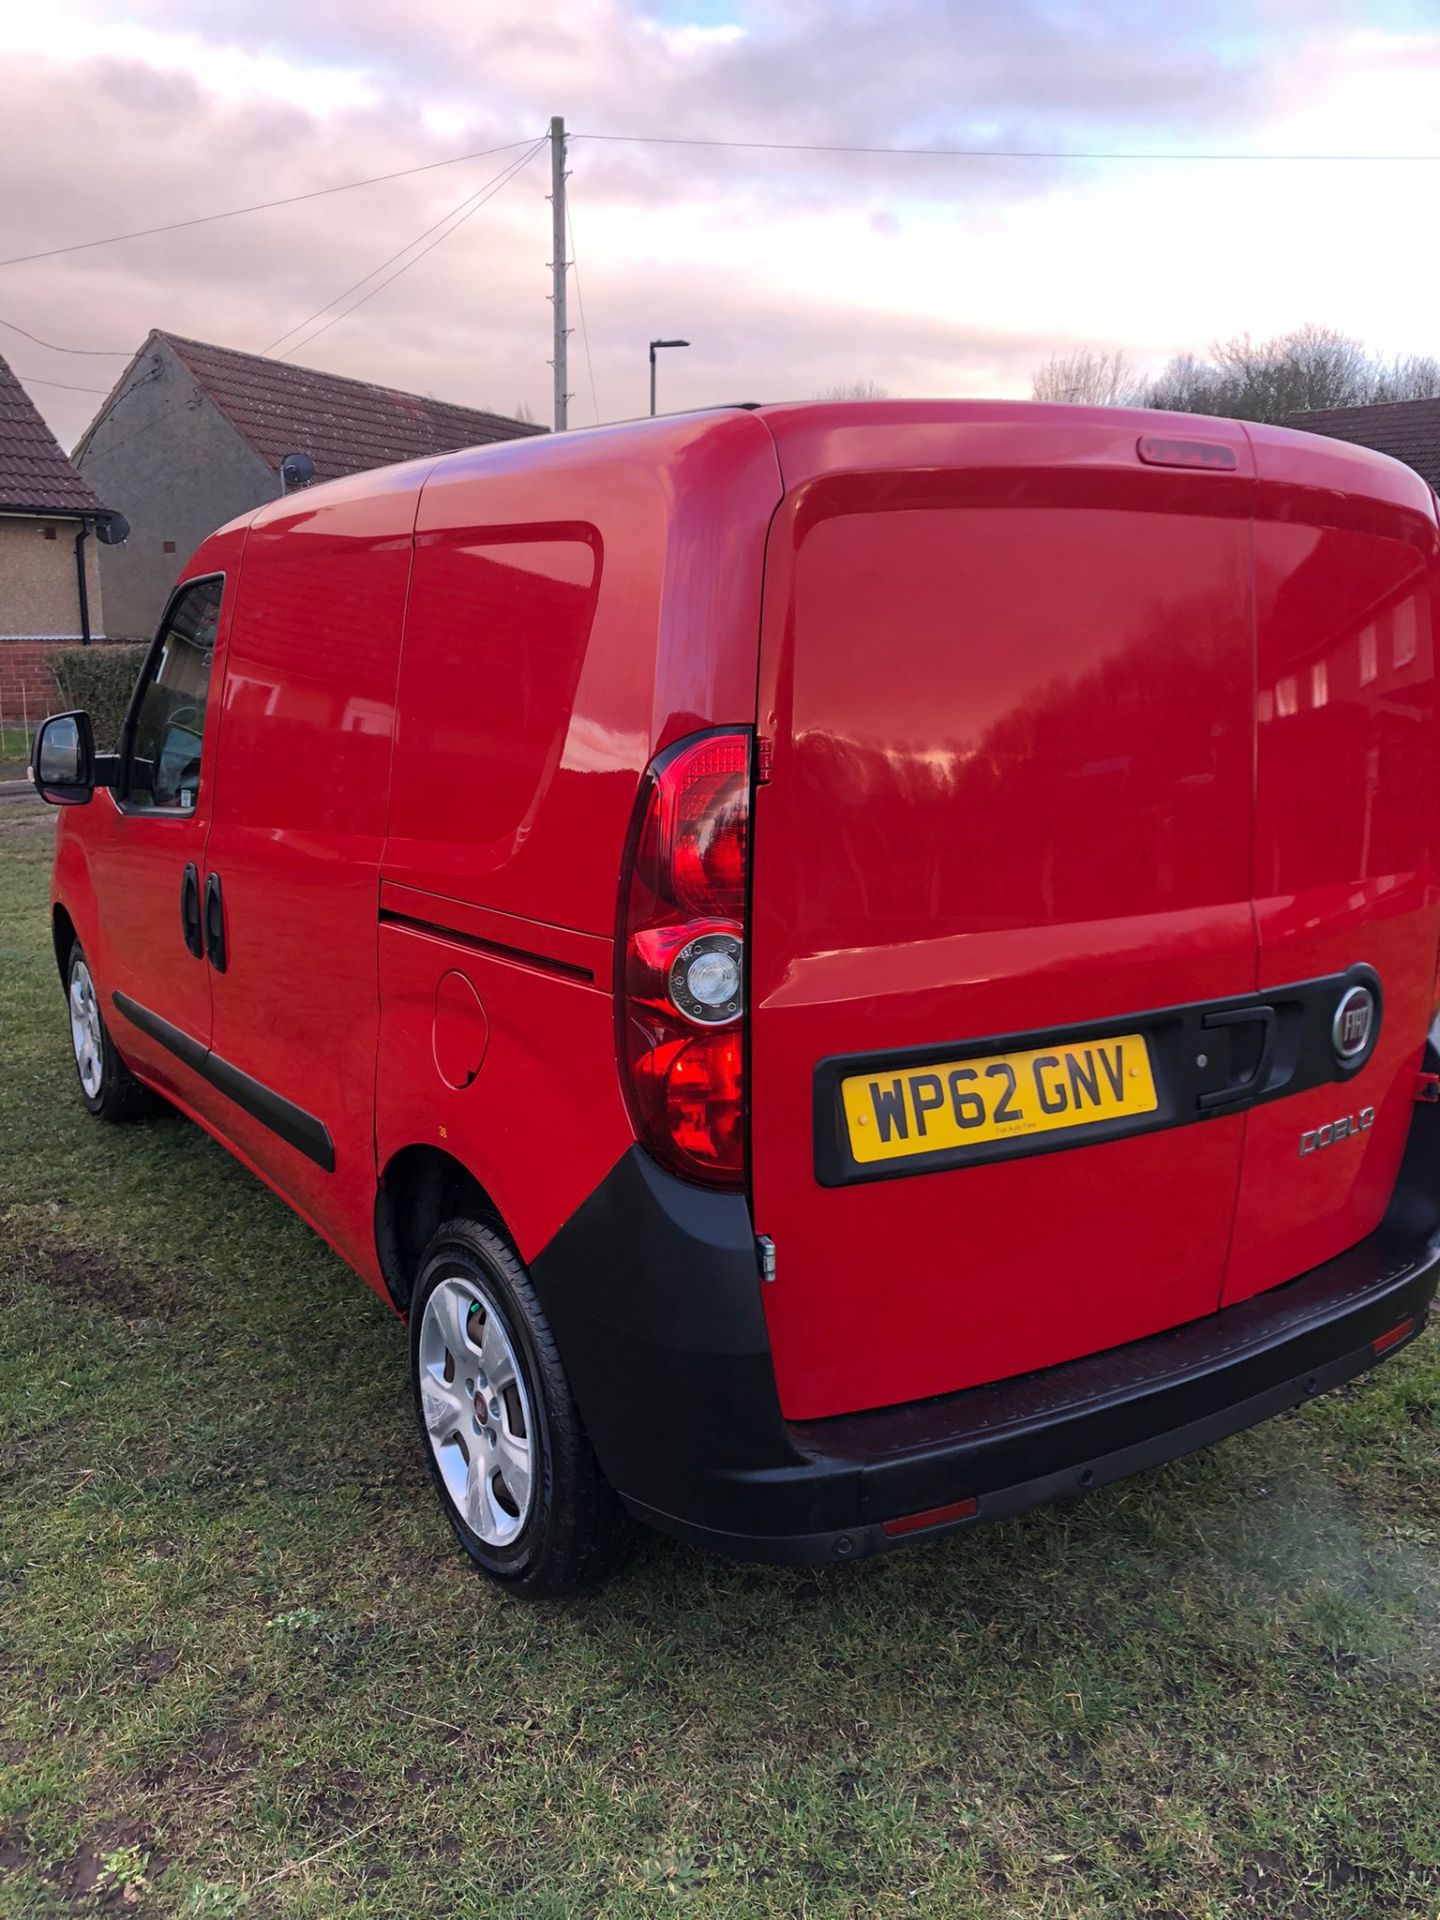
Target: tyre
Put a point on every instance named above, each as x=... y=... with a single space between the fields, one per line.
x=107 y=1086
x=515 y=1472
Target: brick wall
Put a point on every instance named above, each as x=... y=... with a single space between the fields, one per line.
x=27 y=688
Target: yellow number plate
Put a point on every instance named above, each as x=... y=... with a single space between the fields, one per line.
x=1005 y=1096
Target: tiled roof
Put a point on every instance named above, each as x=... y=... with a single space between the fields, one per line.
x=35 y=476
x=346 y=426
x=1407 y=430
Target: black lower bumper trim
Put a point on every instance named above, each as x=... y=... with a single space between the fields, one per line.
x=653 y=1290
x=1077 y=1477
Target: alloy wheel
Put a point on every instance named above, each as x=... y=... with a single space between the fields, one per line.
x=476 y=1409
x=86 y=1032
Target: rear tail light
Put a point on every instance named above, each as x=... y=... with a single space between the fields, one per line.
x=680 y=991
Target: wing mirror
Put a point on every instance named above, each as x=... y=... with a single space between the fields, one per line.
x=62 y=765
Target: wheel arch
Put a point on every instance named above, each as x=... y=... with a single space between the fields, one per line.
x=420 y=1187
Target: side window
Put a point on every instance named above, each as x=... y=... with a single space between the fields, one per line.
x=162 y=769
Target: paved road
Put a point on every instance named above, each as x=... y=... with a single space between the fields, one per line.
x=16 y=790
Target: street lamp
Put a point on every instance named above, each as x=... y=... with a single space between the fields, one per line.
x=654 y=344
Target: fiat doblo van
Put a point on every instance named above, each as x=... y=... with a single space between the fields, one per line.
x=850 y=969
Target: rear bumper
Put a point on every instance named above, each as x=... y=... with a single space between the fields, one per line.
x=654 y=1295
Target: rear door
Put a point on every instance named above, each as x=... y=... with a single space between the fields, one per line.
x=1345 y=844
x=1006 y=681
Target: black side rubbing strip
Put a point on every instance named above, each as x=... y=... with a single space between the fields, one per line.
x=543 y=962
x=175 y=1039
x=293 y=1124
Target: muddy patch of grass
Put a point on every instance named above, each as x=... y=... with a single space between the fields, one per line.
x=78 y=1277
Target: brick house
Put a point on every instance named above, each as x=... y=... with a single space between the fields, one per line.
x=49 y=568
x=193 y=435
x=1407 y=430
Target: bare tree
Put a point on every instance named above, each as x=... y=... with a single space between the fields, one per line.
x=1412 y=376
x=1088 y=377
x=524 y=411
x=1293 y=373
x=1298 y=372
x=855 y=390
x=1185 y=385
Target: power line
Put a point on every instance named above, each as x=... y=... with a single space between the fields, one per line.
x=497 y=180
x=478 y=201
x=96 y=353
x=34 y=380
x=754 y=146
x=485 y=196
x=262 y=206
x=991 y=153
x=135 y=433
x=146 y=379
x=580 y=302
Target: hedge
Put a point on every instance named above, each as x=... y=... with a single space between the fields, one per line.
x=100 y=679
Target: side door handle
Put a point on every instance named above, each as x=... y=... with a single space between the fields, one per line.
x=190 y=911
x=215 y=922
x=1254 y=1081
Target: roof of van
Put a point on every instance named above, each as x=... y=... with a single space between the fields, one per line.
x=820 y=436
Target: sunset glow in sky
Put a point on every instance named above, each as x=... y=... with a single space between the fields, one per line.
x=789 y=272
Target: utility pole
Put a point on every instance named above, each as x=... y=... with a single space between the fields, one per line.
x=654 y=344
x=558 y=264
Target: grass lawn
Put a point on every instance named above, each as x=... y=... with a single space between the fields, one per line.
x=243 y=1671
x=14 y=752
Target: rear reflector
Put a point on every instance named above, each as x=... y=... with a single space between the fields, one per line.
x=1156 y=450
x=1394 y=1336
x=932 y=1517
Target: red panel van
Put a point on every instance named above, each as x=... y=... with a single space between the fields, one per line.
x=850 y=969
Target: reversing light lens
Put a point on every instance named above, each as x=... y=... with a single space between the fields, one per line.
x=713 y=978
x=707 y=978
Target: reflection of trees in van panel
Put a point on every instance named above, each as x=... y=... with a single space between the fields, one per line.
x=1351 y=694
x=310 y=674
x=1128 y=818
x=927 y=689
x=495 y=640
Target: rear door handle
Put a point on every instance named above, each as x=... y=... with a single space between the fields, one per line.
x=190 y=911
x=1254 y=1082
x=215 y=922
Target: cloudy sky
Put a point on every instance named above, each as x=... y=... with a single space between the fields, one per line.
x=790 y=271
